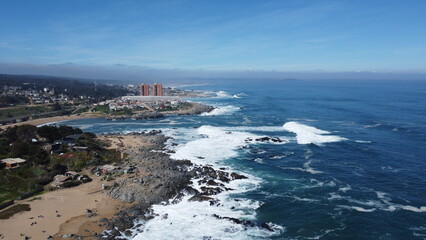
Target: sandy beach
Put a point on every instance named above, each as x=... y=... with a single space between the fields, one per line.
x=51 y=210
x=64 y=211
x=41 y=121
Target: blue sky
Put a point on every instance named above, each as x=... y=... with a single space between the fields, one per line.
x=285 y=35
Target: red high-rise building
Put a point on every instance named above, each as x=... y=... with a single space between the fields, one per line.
x=157 y=88
x=144 y=89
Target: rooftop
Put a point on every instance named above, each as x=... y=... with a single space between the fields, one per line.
x=13 y=160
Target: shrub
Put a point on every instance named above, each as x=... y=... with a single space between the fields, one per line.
x=69 y=184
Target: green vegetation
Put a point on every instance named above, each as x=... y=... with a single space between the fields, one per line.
x=81 y=110
x=18 y=111
x=101 y=109
x=41 y=165
x=7 y=101
x=125 y=111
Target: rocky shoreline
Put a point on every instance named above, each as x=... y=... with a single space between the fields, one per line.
x=160 y=179
x=192 y=108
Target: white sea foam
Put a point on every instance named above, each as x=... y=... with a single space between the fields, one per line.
x=362 y=141
x=345 y=189
x=223 y=110
x=239 y=95
x=372 y=126
x=217 y=144
x=306 y=168
x=222 y=94
x=196 y=220
x=306 y=134
x=303 y=199
x=359 y=209
x=382 y=203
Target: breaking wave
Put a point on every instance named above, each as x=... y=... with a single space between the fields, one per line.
x=221 y=111
x=310 y=135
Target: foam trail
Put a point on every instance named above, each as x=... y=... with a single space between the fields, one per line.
x=306 y=134
x=239 y=95
x=306 y=168
x=221 y=111
x=222 y=94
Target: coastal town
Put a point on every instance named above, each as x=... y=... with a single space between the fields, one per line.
x=75 y=172
x=28 y=99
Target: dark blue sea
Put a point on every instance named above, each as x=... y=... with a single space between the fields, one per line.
x=351 y=164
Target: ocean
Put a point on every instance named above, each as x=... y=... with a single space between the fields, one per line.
x=351 y=164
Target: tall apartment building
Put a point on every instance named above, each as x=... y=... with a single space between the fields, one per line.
x=157 y=88
x=144 y=89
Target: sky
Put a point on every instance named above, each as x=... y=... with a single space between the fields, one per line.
x=210 y=37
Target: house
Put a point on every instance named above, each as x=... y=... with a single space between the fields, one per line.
x=73 y=137
x=13 y=162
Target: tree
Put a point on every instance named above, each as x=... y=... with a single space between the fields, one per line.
x=56 y=107
x=52 y=133
x=23 y=133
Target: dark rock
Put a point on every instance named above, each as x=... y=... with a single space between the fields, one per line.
x=200 y=198
x=148 y=115
x=237 y=176
x=128 y=233
x=211 y=190
x=267 y=227
x=213 y=183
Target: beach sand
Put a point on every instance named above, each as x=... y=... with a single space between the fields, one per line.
x=41 y=121
x=70 y=204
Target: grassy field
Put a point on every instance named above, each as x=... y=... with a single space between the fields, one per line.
x=25 y=110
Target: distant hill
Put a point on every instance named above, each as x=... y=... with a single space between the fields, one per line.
x=68 y=86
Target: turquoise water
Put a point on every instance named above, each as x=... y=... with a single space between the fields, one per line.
x=352 y=164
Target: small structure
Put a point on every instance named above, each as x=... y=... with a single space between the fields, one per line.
x=59 y=180
x=67 y=142
x=13 y=162
x=79 y=148
x=56 y=148
x=108 y=168
x=73 y=137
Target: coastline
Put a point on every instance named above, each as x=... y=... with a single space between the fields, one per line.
x=41 y=121
x=50 y=211
x=71 y=204
x=164 y=179
x=195 y=109
x=158 y=179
